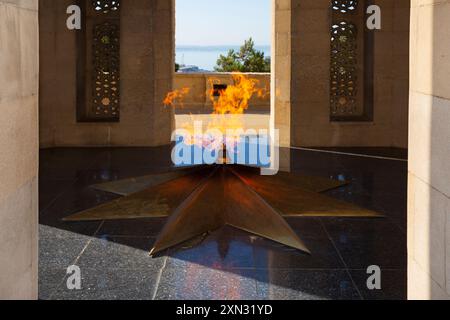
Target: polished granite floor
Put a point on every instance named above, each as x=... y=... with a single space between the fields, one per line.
x=229 y=264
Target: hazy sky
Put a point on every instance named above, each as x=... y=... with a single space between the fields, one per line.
x=221 y=22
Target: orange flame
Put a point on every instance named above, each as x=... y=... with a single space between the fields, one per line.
x=176 y=95
x=227 y=108
x=232 y=100
x=235 y=98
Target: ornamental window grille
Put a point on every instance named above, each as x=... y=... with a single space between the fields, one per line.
x=351 y=63
x=98 y=67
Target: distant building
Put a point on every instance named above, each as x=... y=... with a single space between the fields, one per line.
x=191 y=69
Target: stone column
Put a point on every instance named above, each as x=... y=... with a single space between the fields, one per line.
x=310 y=78
x=146 y=69
x=281 y=70
x=429 y=147
x=164 y=68
x=19 y=148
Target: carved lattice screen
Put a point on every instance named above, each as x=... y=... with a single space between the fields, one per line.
x=350 y=63
x=99 y=62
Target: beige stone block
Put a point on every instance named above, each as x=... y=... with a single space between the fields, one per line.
x=423 y=51
x=29 y=59
x=447 y=245
x=283 y=21
x=429 y=136
x=283 y=44
x=429 y=230
x=284 y=134
x=411 y=214
x=283 y=90
x=282 y=115
x=308 y=113
x=18 y=162
x=10 y=77
x=420 y=135
x=421 y=286
x=441 y=50
x=311 y=4
x=413 y=42
x=30 y=5
x=312 y=68
x=283 y=4
x=310 y=91
x=18 y=244
x=428 y=114
x=310 y=20
x=311 y=43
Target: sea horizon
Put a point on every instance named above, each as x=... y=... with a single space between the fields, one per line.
x=205 y=56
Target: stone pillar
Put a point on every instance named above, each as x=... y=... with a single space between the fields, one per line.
x=429 y=152
x=19 y=148
x=163 y=117
x=147 y=64
x=281 y=70
x=310 y=78
x=310 y=72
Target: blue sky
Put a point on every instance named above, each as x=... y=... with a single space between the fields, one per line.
x=222 y=22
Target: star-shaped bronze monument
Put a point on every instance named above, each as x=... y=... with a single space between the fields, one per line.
x=199 y=200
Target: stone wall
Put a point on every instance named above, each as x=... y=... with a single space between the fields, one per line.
x=429 y=152
x=147 y=64
x=19 y=145
x=198 y=101
x=310 y=74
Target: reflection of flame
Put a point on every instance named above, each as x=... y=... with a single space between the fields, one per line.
x=227 y=110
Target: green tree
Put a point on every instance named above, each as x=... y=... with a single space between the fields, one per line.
x=247 y=59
